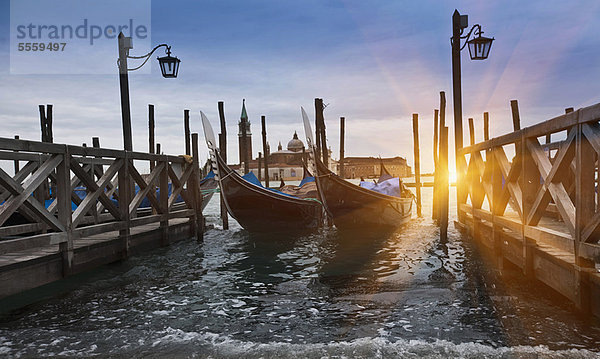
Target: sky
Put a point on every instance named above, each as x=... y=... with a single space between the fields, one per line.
x=375 y=63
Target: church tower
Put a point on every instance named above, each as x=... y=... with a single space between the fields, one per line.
x=244 y=136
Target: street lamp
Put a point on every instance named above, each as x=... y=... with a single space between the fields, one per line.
x=479 y=49
x=169 y=67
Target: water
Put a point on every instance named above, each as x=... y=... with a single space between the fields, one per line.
x=322 y=295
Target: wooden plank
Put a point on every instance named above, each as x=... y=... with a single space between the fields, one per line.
x=20 y=229
x=37 y=241
x=95 y=229
x=141 y=221
x=556 y=124
x=21 y=156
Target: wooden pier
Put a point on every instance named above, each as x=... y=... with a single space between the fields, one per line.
x=65 y=233
x=536 y=205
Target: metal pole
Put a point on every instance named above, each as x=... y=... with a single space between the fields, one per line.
x=124 y=86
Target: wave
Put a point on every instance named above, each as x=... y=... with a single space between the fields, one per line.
x=211 y=345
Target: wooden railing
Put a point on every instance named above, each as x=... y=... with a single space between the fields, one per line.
x=542 y=180
x=108 y=178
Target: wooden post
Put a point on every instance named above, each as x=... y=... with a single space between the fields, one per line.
x=265 y=152
x=444 y=193
x=585 y=207
x=63 y=187
x=415 y=122
x=514 y=107
x=486 y=126
x=151 y=133
x=435 y=207
x=186 y=130
x=17 y=165
x=96 y=174
x=46 y=123
x=530 y=183
x=342 y=132
x=319 y=117
x=163 y=197
x=124 y=201
x=443 y=177
x=223 y=152
x=45 y=191
x=471 y=131
x=259 y=167
x=199 y=225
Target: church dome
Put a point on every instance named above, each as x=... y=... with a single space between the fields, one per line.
x=295 y=144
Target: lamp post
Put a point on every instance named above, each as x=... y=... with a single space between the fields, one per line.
x=169 y=67
x=479 y=49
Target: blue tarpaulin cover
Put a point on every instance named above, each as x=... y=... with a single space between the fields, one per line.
x=390 y=187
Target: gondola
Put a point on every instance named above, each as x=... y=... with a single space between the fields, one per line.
x=256 y=208
x=354 y=208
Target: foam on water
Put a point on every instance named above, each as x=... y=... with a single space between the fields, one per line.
x=177 y=342
x=322 y=295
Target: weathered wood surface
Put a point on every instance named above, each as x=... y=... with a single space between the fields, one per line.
x=521 y=182
x=108 y=204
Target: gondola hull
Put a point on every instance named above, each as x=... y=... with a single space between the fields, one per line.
x=260 y=210
x=357 y=209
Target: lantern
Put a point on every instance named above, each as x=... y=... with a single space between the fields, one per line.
x=479 y=47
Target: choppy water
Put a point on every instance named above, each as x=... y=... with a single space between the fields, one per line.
x=321 y=295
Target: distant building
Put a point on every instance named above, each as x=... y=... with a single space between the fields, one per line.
x=356 y=167
x=284 y=164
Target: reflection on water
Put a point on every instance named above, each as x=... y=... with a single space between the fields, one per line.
x=325 y=294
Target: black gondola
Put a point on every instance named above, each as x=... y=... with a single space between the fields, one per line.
x=353 y=207
x=256 y=208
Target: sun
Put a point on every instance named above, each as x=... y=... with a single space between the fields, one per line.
x=452 y=176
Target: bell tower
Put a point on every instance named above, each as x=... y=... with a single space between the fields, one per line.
x=244 y=136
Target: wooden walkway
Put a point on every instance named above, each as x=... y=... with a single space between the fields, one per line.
x=81 y=210
x=539 y=210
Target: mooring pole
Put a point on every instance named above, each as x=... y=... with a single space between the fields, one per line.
x=259 y=167
x=415 y=122
x=46 y=191
x=186 y=131
x=444 y=193
x=486 y=126
x=196 y=188
x=471 y=131
x=96 y=173
x=151 y=144
x=342 y=132
x=223 y=152
x=17 y=165
x=434 y=211
x=265 y=151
